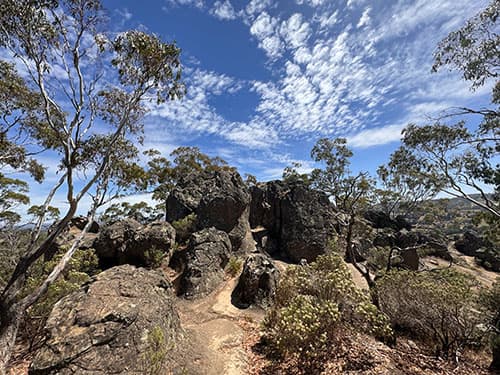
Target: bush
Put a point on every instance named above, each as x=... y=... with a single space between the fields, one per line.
x=154 y=257
x=490 y=302
x=438 y=307
x=312 y=303
x=81 y=267
x=184 y=227
x=155 y=354
x=233 y=266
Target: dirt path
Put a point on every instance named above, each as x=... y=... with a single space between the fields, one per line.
x=216 y=325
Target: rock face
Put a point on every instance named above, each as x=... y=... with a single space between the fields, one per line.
x=469 y=243
x=219 y=199
x=128 y=242
x=257 y=283
x=484 y=251
x=66 y=238
x=380 y=219
x=204 y=261
x=299 y=219
x=80 y=222
x=104 y=328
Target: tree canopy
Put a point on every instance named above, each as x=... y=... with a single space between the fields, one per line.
x=79 y=92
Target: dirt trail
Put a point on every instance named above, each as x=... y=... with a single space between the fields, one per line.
x=216 y=326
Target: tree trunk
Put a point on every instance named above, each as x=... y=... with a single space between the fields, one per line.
x=11 y=319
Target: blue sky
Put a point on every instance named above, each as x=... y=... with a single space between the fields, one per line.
x=266 y=79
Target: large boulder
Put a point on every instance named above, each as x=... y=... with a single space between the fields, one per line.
x=106 y=327
x=257 y=283
x=380 y=219
x=81 y=221
x=483 y=250
x=469 y=243
x=69 y=235
x=129 y=242
x=301 y=220
x=205 y=258
x=219 y=199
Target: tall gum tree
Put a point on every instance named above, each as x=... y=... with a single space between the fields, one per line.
x=461 y=158
x=86 y=93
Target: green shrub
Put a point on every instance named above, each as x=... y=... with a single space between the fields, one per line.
x=312 y=303
x=490 y=303
x=438 y=307
x=184 y=227
x=81 y=267
x=233 y=266
x=154 y=257
x=155 y=354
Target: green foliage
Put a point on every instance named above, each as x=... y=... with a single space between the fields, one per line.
x=312 y=303
x=402 y=188
x=52 y=213
x=164 y=174
x=89 y=116
x=378 y=258
x=20 y=107
x=250 y=180
x=184 y=227
x=449 y=157
x=490 y=303
x=154 y=257
x=439 y=307
x=12 y=194
x=473 y=49
x=155 y=355
x=349 y=192
x=291 y=174
x=233 y=266
x=81 y=267
x=141 y=212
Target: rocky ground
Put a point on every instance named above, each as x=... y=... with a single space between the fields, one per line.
x=107 y=326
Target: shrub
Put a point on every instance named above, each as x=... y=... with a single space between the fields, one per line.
x=312 y=303
x=490 y=302
x=155 y=354
x=154 y=257
x=81 y=267
x=438 y=307
x=184 y=227
x=233 y=266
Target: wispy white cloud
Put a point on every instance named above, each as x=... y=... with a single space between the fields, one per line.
x=335 y=73
x=265 y=30
x=365 y=18
x=195 y=3
x=223 y=10
x=377 y=136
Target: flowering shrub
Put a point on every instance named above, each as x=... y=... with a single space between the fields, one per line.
x=312 y=302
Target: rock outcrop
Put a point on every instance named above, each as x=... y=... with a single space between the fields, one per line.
x=205 y=258
x=70 y=233
x=483 y=250
x=257 y=283
x=380 y=219
x=218 y=198
x=105 y=327
x=80 y=222
x=300 y=220
x=129 y=242
x=469 y=243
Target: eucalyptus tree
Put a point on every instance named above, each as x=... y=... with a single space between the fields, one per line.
x=350 y=193
x=87 y=91
x=463 y=158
